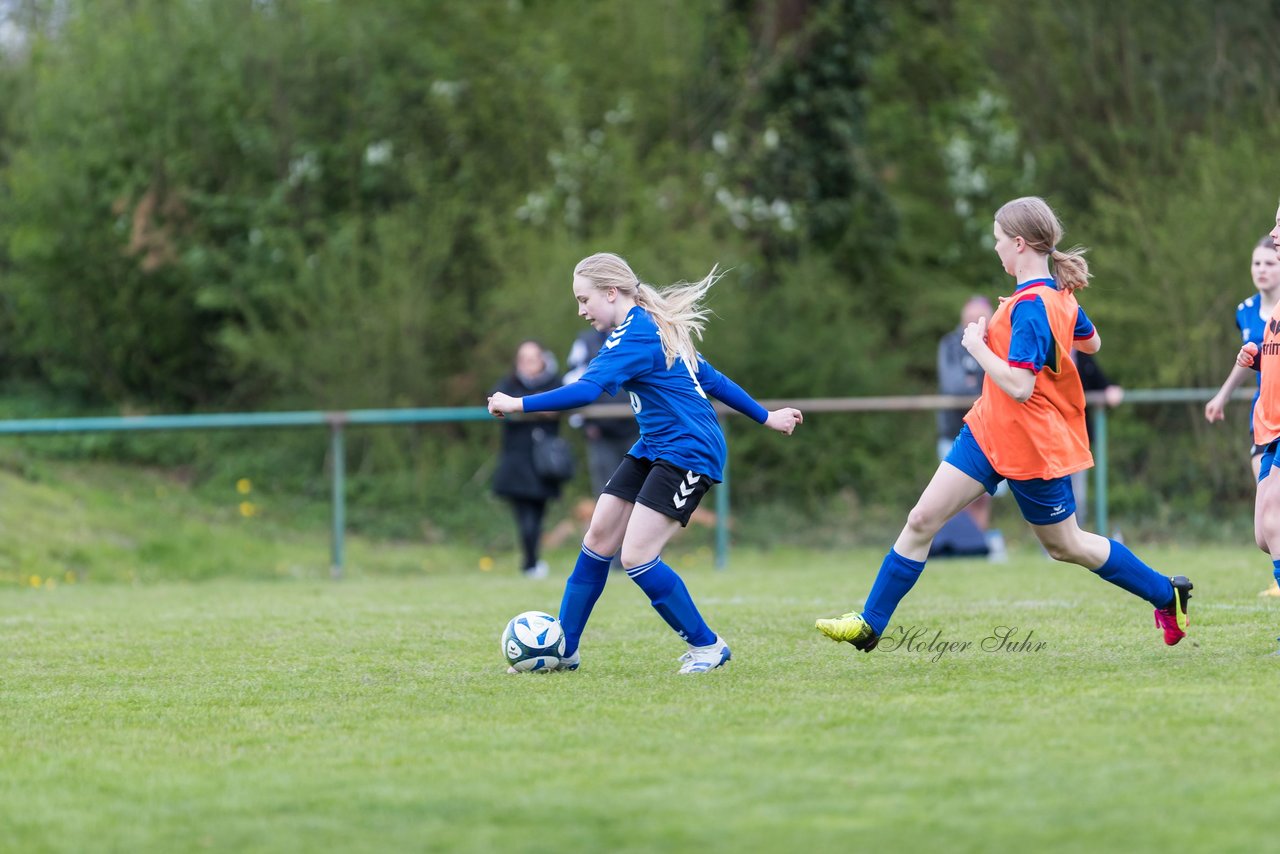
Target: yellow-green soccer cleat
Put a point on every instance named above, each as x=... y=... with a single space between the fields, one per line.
x=850 y=628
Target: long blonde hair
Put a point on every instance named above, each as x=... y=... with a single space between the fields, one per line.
x=677 y=310
x=1031 y=218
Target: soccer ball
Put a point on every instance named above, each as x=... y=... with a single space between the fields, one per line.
x=533 y=641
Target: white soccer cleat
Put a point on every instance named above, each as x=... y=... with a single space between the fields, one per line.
x=700 y=659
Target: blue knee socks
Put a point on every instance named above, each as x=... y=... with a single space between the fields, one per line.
x=581 y=591
x=895 y=579
x=1124 y=570
x=671 y=599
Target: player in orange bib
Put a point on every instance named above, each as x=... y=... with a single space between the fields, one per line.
x=1028 y=428
x=1266 y=428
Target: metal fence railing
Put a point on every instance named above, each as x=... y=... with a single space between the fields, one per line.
x=336 y=422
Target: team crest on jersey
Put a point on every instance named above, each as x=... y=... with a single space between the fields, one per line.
x=1274 y=326
x=635 y=402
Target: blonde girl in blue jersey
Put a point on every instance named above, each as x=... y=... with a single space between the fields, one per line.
x=651 y=354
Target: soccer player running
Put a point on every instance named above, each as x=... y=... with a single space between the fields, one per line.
x=649 y=353
x=1266 y=428
x=1251 y=320
x=1027 y=427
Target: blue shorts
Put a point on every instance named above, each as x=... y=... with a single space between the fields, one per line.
x=1042 y=502
x=1268 y=459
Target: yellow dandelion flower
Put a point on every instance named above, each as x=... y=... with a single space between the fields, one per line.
x=244 y=486
x=248 y=509
x=486 y=564
x=35 y=581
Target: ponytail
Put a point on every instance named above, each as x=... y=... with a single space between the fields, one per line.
x=1070 y=269
x=679 y=314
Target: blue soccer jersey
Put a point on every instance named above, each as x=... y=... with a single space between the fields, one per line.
x=677 y=422
x=1249 y=320
x=1252 y=325
x=1031 y=342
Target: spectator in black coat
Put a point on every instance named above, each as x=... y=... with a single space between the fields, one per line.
x=516 y=479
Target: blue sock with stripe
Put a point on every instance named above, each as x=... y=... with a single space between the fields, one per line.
x=1126 y=571
x=671 y=599
x=895 y=579
x=581 y=591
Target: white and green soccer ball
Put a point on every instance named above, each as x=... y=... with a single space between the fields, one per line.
x=533 y=641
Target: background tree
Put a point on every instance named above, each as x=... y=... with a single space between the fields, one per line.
x=292 y=204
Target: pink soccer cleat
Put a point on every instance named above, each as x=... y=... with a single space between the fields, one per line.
x=1173 y=619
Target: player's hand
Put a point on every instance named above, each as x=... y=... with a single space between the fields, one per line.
x=975 y=335
x=500 y=404
x=1248 y=353
x=784 y=420
x=1215 y=409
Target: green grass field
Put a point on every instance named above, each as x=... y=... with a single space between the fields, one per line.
x=283 y=712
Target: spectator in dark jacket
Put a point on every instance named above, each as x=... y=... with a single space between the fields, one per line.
x=1091 y=379
x=516 y=479
x=960 y=374
x=608 y=439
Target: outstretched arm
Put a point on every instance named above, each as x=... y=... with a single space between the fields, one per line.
x=570 y=396
x=731 y=394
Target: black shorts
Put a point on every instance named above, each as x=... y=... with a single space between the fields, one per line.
x=1256 y=450
x=659 y=485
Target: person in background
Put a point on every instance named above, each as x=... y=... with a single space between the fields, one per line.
x=608 y=439
x=1251 y=320
x=516 y=479
x=1265 y=358
x=960 y=374
x=1091 y=379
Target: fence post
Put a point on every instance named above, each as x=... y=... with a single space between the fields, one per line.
x=722 y=507
x=337 y=453
x=1100 y=469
